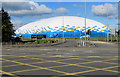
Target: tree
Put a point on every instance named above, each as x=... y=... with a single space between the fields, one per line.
x=0 y=26
x=7 y=27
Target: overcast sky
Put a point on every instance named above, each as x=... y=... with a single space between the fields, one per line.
x=23 y=12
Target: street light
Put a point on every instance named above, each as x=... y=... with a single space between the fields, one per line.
x=107 y=35
x=63 y=29
x=85 y=22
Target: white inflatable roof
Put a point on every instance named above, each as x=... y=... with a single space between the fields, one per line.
x=58 y=22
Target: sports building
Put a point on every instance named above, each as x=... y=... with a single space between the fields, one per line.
x=63 y=26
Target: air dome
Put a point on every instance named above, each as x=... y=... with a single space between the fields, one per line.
x=71 y=26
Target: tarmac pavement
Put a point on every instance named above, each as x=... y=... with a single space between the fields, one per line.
x=61 y=60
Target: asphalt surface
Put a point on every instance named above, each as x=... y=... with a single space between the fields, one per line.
x=59 y=60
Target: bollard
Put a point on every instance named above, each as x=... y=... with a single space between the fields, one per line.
x=79 y=44
x=83 y=43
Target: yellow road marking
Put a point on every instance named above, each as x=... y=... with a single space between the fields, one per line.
x=21 y=59
x=22 y=56
x=68 y=56
x=57 y=61
x=110 y=60
x=9 y=74
x=63 y=62
x=35 y=66
x=27 y=49
x=63 y=59
x=86 y=62
x=67 y=64
x=40 y=62
x=94 y=57
x=80 y=72
x=11 y=65
x=27 y=59
x=109 y=67
x=25 y=70
x=112 y=71
x=111 y=63
x=59 y=56
x=9 y=55
x=85 y=66
x=65 y=75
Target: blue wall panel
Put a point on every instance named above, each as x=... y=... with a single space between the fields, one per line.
x=66 y=34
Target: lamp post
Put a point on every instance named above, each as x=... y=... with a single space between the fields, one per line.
x=116 y=34
x=85 y=22
x=107 y=26
x=107 y=33
x=63 y=30
x=85 y=40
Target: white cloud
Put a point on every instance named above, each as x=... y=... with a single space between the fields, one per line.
x=17 y=5
x=42 y=9
x=17 y=24
x=62 y=10
x=27 y=9
x=30 y=9
x=106 y=10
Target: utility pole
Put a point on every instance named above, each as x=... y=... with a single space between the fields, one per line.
x=116 y=34
x=63 y=29
x=107 y=28
x=85 y=22
x=107 y=35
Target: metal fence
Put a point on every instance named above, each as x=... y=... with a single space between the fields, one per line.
x=32 y=44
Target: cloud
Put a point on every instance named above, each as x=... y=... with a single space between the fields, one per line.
x=107 y=10
x=62 y=10
x=42 y=9
x=17 y=6
x=17 y=24
x=27 y=9
x=30 y=9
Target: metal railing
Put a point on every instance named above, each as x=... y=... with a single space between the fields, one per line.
x=33 y=44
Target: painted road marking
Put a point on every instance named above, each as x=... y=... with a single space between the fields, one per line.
x=35 y=66
x=7 y=73
x=31 y=57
